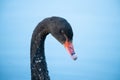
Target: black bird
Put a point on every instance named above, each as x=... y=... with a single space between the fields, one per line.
x=62 y=31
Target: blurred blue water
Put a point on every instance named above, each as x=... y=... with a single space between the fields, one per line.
x=96 y=26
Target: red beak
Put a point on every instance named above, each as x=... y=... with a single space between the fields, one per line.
x=69 y=47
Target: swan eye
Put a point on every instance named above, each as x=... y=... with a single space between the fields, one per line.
x=61 y=31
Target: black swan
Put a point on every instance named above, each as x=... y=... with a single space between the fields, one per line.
x=62 y=31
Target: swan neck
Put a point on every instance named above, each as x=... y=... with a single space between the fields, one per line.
x=38 y=62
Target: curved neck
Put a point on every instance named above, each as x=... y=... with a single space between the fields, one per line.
x=38 y=62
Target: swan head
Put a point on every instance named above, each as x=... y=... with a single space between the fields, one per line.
x=62 y=31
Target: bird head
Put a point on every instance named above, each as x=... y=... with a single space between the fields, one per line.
x=62 y=31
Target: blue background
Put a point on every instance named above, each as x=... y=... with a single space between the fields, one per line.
x=96 y=26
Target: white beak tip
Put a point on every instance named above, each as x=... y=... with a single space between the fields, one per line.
x=74 y=57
